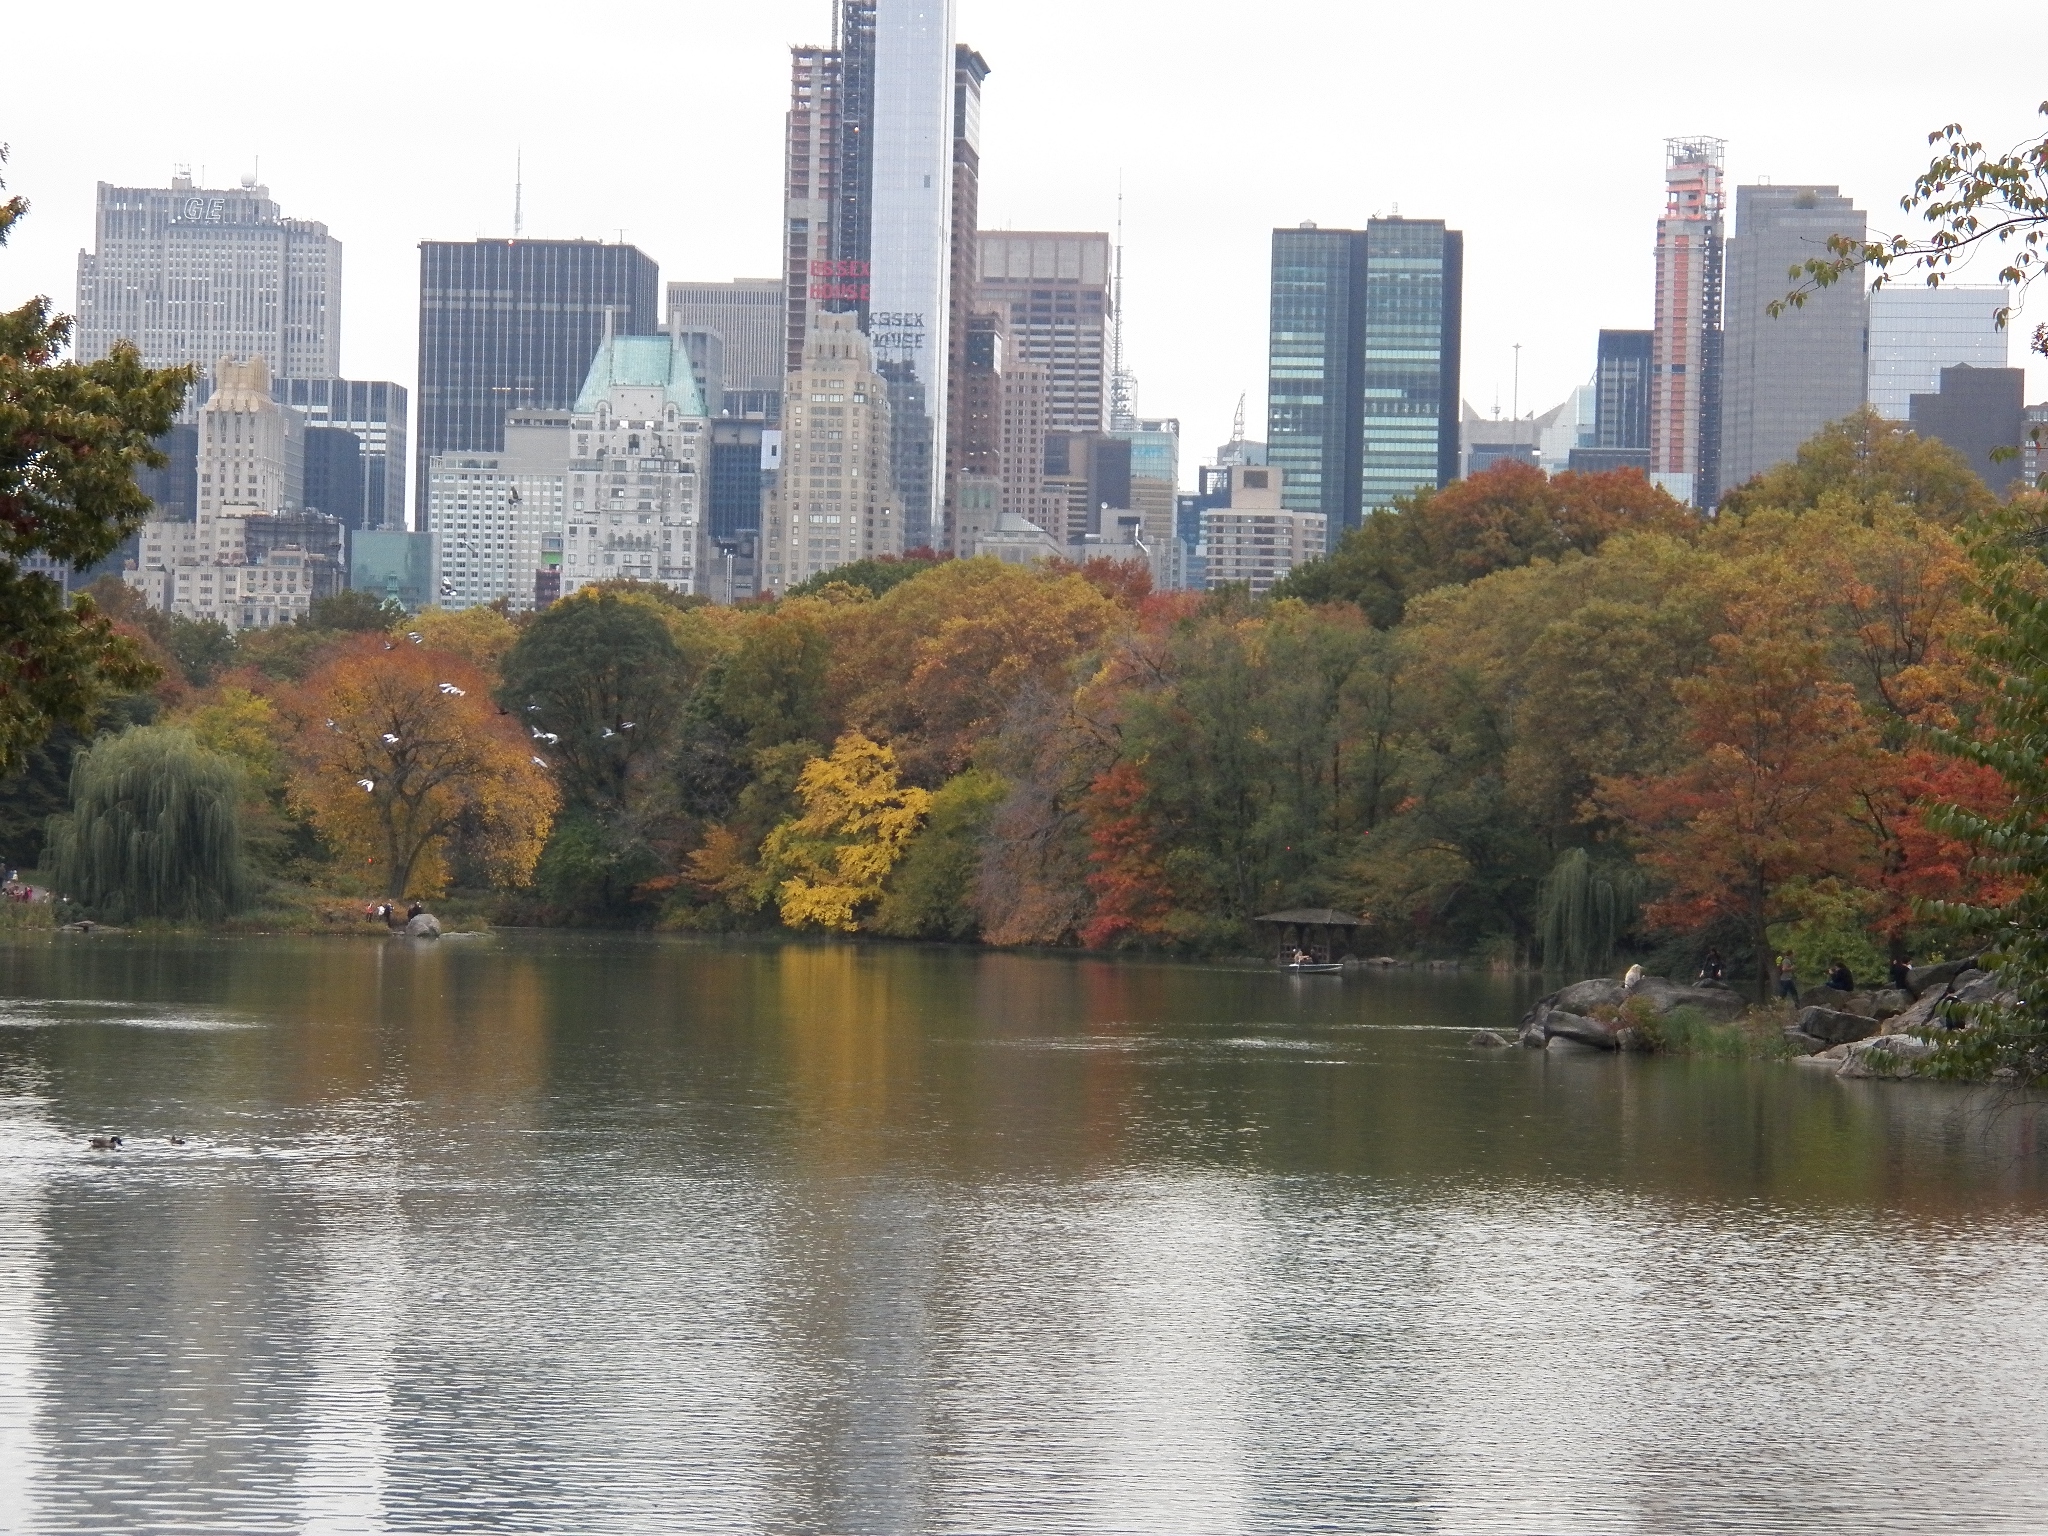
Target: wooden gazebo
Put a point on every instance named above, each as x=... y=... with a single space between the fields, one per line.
x=1315 y=929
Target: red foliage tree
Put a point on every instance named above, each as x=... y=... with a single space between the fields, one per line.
x=1125 y=876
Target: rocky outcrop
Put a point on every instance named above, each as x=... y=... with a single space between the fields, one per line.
x=1573 y=1013
x=1884 y=1056
x=1489 y=1039
x=423 y=926
x=1834 y=1026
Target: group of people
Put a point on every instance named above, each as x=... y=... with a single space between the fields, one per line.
x=13 y=889
x=1840 y=977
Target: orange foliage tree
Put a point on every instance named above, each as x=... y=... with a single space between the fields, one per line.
x=1779 y=790
x=399 y=749
x=1125 y=873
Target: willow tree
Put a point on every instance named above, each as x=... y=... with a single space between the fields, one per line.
x=154 y=830
x=1585 y=911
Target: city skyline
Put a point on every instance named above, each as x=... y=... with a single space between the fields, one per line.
x=1548 y=264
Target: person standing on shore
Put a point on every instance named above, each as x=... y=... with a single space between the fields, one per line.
x=1788 y=977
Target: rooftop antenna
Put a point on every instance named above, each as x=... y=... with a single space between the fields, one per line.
x=518 y=192
x=1120 y=418
x=1237 y=422
x=1518 y=382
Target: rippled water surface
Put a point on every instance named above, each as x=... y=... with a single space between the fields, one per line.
x=545 y=1233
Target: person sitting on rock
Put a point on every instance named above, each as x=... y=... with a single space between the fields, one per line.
x=1839 y=976
x=1901 y=974
x=1633 y=979
x=1712 y=968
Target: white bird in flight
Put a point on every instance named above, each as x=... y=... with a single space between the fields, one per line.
x=539 y=762
x=388 y=739
x=367 y=784
x=451 y=690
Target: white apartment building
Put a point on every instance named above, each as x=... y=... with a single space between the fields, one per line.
x=639 y=469
x=835 y=500
x=190 y=274
x=1254 y=540
x=251 y=449
x=217 y=568
x=497 y=518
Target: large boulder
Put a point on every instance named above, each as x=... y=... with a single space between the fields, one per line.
x=1830 y=997
x=1922 y=977
x=1884 y=1056
x=1834 y=1026
x=424 y=926
x=1888 y=1003
x=1560 y=1025
x=1600 y=992
x=1717 y=1002
x=1802 y=1042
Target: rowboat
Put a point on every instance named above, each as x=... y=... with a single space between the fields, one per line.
x=1313 y=968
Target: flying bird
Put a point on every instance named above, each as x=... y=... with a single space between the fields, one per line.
x=538 y=762
x=626 y=726
x=415 y=637
x=531 y=708
x=389 y=646
x=367 y=785
x=388 y=739
x=451 y=690
x=609 y=733
x=332 y=726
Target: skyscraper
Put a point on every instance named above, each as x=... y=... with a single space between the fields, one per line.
x=1788 y=376
x=1414 y=328
x=495 y=515
x=1916 y=331
x=746 y=314
x=192 y=274
x=833 y=501
x=1314 y=393
x=511 y=325
x=1363 y=364
x=1685 y=348
x=969 y=70
x=1621 y=390
x=867 y=216
x=251 y=449
x=911 y=241
x=375 y=411
x=1052 y=290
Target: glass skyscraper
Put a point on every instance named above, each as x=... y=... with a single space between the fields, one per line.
x=1313 y=400
x=512 y=325
x=375 y=411
x=1414 y=297
x=1916 y=331
x=1362 y=391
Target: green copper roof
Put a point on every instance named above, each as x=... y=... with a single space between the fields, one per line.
x=642 y=362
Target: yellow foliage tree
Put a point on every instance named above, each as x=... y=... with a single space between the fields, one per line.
x=242 y=725
x=480 y=636
x=399 y=750
x=832 y=860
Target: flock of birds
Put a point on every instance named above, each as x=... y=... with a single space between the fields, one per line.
x=115 y=1143
x=549 y=738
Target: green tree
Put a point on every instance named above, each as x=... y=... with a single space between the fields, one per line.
x=353 y=611
x=872 y=576
x=931 y=892
x=71 y=436
x=1867 y=463
x=154 y=830
x=203 y=648
x=599 y=685
x=2012 y=591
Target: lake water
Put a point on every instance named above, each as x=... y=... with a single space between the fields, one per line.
x=588 y=1234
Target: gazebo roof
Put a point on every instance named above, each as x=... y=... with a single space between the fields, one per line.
x=1313 y=917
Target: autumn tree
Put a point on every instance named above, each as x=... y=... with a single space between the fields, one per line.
x=71 y=438
x=830 y=862
x=399 y=749
x=1863 y=462
x=1783 y=761
x=1503 y=517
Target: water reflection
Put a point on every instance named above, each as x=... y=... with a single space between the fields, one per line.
x=558 y=1233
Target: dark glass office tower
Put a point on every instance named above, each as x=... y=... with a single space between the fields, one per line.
x=375 y=411
x=1313 y=399
x=1414 y=300
x=511 y=325
x=1362 y=390
x=1621 y=391
x=334 y=475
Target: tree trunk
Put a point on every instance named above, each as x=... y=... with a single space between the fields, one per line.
x=1760 y=939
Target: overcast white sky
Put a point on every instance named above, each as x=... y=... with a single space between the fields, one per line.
x=1537 y=129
